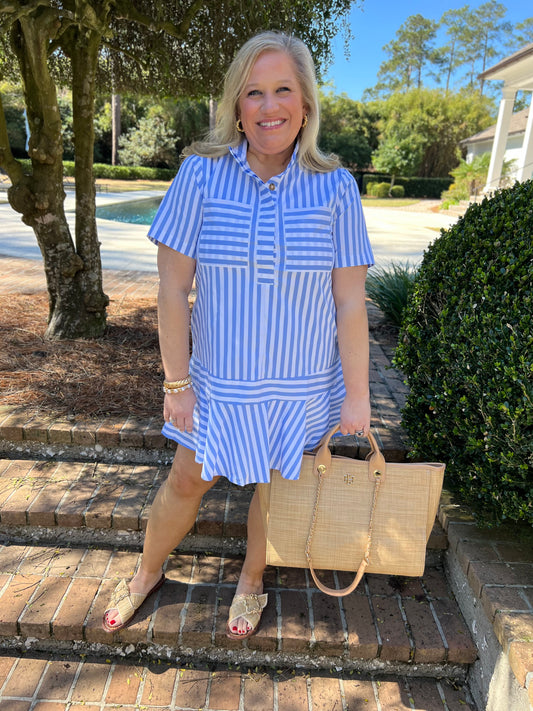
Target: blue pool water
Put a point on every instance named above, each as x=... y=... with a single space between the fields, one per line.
x=140 y=212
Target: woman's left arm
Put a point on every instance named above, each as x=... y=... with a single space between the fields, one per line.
x=352 y=329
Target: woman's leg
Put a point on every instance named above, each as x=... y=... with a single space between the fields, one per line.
x=172 y=516
x=251 y=578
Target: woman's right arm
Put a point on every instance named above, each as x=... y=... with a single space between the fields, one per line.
x=176 y=274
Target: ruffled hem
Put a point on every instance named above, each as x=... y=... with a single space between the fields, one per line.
x=244 y=441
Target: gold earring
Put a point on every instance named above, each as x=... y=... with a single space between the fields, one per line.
x=240 y=129
x=305 y=121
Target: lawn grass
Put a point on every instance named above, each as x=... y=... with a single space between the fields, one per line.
x=388 y=202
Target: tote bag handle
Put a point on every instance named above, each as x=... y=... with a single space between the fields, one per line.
x=376 y=472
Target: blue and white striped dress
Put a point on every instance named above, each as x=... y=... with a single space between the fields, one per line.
x=265 y=364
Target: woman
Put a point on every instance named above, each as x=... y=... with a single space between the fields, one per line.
x=273 y=232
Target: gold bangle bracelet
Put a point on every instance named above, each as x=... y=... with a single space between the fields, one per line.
x=177 y=383
x=173 y=391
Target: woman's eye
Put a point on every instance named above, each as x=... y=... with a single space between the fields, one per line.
x=254 y=92
x=283 y=88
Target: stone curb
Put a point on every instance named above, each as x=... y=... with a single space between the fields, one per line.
x=53 y=599
x=491 y=574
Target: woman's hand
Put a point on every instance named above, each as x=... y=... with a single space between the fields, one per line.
x=178 y=409
x=355 y=415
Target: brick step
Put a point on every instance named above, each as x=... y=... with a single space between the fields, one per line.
x=107 y=505
x=92 y=684
x=52 y=600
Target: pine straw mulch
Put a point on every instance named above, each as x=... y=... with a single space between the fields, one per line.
x=117 y=375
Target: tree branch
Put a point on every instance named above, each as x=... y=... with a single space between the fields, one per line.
x=125 y=11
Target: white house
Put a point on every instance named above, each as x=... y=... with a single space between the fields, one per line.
x=483 y=141
x=508 y=140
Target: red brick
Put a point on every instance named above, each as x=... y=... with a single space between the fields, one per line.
x=521 y=660
x=179 y=568
x=100 y=510
x=158 y=686
x=70 y=471
x=394 y=638
x=258 y=692
x=123 y=565
x=35 y=620
x=93 y=564
x=167 y=620
x=51 y=706
x=513 y=627
x=192 y=688
x=425 y=694
x=84 y=433
x=93 y=631
x=429 y=646
x=9 y=705
x=225 y=690
x=292 y=694
x=124 y=685
x=210 y=520
x=137 y=629
x=435 y=583
x=235 y=524
x=36 y=430
x=455 y=697
x=50 y=561
x=58 y=679
x=359 y=695
x=108 y=433
x=60 y=432
x=70 y=512
x=127 y=512
x=515 y=552
x=499 y=598
x=393 y=695
x=42 y=510
x=12 y=427
x=461 y=649
x=14 y=600
x=295 y=626
x=26 y=676
x=325 y=693
x=91 y=683
x=329 y=635
x=69 y=620
x=206 y=570
x=13 y=510
x=11 y=557
x=198 y=627
x=131 y=434
x=362 y=639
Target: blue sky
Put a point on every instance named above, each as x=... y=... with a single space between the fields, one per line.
x=376 y=23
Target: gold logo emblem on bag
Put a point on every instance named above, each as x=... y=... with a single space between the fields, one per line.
x=348 y=478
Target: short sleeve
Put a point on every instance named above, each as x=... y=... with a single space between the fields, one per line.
x=179 y=218
x=350 y=236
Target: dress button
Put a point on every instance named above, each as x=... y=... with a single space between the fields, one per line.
x=271 y=186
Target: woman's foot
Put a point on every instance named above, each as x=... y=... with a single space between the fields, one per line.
x=142 y=584
x=240 y=626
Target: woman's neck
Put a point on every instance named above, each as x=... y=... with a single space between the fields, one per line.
x=266 y=166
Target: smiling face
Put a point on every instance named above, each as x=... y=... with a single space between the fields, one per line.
x=271 y=106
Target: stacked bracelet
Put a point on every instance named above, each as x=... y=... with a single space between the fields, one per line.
x=177 y=386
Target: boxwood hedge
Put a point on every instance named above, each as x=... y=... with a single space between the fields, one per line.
x=466 y=349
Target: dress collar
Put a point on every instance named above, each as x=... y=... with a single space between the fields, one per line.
x=239 y=153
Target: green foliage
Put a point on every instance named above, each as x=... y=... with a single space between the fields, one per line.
x=390 y=288
x=13 y=104
x=347 y=128
x=123 y=172
x=152 y=143
x=381 y=190
x=431 y=124
x=413 y=187
x=399 y=155
x=466 y=350
x=397 y=191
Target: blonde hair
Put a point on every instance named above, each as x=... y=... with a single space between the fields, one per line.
x=225 y=133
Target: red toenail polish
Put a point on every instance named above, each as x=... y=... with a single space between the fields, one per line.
x=112 y=622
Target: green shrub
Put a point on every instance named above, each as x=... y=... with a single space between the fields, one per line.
x=397 y=191
x=381 y=190
x=390 y=287
x=370 y=188
x=466 y=348
x=414 y=187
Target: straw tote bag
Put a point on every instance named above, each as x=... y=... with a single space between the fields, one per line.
x=348 y=514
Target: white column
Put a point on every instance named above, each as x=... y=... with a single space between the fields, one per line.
x=525 y=162
x=500 y=139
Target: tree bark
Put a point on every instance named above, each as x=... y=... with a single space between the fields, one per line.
x=115 y=127
x=73 y=273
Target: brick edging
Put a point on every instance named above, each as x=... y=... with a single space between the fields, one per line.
x=499 y=573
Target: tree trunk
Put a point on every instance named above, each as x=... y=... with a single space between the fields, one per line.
x=76 y=300
x=115 y=127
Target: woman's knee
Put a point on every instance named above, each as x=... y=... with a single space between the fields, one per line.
x=185 y=476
